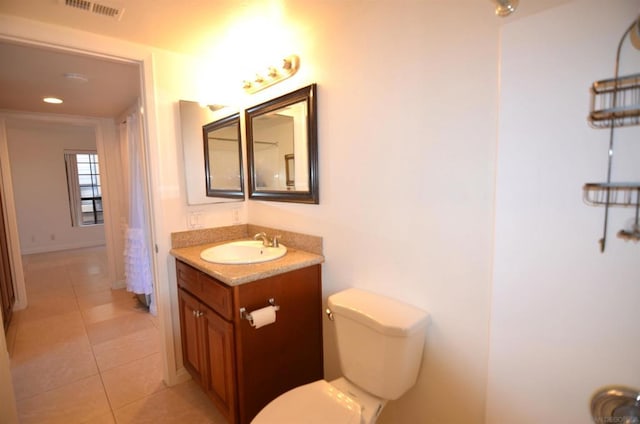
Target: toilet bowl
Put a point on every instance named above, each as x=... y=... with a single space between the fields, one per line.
x=380 y=342
x=322 y=402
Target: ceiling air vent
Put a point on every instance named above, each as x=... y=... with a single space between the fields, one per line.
x=78 y=4
x=98 y=8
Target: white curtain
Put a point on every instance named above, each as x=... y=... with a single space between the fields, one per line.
x=137 y=266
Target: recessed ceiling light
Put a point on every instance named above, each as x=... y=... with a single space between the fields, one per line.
x=52 y=100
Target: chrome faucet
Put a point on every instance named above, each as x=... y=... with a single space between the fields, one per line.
x=274 y=242
x=264 y=238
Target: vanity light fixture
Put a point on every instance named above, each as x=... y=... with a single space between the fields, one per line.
x=274 y=74
x=505 y=7
x=215 y=107
x=52 y=100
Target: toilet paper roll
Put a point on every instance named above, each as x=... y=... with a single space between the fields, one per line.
x=263 y=316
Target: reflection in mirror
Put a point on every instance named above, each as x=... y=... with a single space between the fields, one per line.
x=193 y=117
x=223 y=158
x=282 y=148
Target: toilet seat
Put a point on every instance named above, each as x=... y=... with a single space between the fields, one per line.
x=314 y=403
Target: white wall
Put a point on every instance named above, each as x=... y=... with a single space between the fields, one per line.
x=36 y=154
x=407 y=97
x=564 y=316
x=398 y=106
x=407 y=144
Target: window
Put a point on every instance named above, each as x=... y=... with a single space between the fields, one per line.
x=85 y=194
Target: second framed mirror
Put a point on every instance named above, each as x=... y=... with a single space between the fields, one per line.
x=282 y=148
x=223 y=158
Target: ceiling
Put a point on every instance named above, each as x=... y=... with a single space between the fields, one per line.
x=178 y=26
x=29 y=73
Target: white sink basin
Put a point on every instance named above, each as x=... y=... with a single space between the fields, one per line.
x=242 y=252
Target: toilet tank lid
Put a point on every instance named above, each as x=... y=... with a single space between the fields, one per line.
x=381 y=313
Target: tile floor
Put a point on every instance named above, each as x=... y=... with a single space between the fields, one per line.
x=83 y=353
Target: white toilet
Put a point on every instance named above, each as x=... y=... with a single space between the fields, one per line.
x=380 y=342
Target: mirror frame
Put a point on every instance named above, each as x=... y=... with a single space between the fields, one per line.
x=212 y=126
x=308 y=94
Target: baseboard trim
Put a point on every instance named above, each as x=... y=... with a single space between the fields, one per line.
x=57 y=248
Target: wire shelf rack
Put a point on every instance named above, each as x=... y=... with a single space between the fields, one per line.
x=612 y=194
x=615 y=102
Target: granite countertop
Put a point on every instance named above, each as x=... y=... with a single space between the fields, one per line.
x=234 y=275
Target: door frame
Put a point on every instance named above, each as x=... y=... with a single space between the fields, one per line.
x=34 y=33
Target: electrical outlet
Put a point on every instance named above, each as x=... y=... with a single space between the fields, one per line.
x=235 y=215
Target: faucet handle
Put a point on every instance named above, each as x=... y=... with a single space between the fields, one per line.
x=276 y=241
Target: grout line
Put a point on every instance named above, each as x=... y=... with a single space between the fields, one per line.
x=65 y=266
x=95 y=361
x=69 y=280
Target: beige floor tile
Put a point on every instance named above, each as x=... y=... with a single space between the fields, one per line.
x=106 y=418
x=62 y=364
x=46 y=277
x=45 y=273
x=91 y=287
x=76 y=327
x=78 y=402
x=12 y=331
x=46 y=292
x=127 y=348
x=89 y=299
x=35 y=336
x=85 y=268
x=43 y=276
x=184 y=403
x=114 y=310
x=133 y=381
x=155 y=320
x=41 y=308
x=103 y=331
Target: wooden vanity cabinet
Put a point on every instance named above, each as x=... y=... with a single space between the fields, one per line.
x=239 y=367
x=7 y=294
x=207 y=349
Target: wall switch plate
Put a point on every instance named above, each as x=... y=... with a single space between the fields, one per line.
x=194 y=220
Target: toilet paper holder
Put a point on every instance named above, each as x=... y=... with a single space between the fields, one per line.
x=247 y=315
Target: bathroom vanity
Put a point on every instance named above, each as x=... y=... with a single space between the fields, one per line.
x=240 y=367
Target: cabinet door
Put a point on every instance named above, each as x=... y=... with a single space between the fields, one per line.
x=286 y=354
x=7 y=295
x=219 y=350
x=192 y=354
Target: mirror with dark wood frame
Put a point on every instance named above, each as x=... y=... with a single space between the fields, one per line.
x=282 y=148
x=223 y=158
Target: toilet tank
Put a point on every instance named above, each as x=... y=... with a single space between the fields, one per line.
x=380 y=341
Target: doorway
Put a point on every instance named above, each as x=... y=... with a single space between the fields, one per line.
x=99 y=92
x=100 y=128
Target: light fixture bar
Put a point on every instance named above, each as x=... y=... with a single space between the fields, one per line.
x=506 y=7
x=273 y=75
